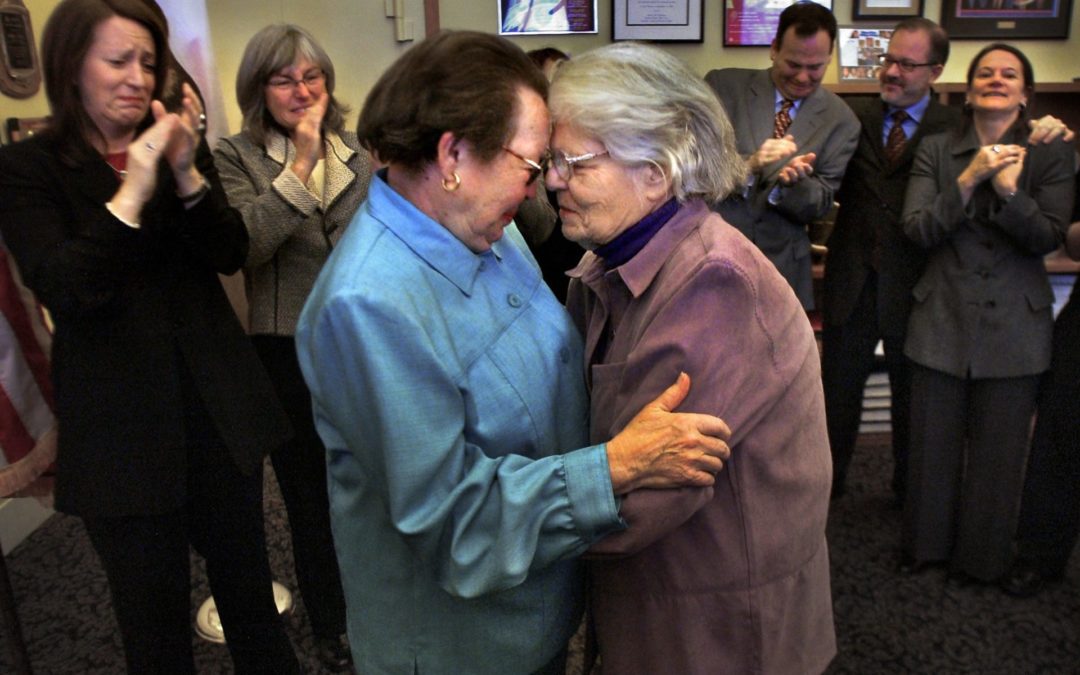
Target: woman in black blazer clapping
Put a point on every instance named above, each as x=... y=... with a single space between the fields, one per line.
x=118 y=222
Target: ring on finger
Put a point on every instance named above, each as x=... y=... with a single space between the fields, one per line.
x=150 y=146
x=996 y=149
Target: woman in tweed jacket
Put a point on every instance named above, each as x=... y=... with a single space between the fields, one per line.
x=297 y=178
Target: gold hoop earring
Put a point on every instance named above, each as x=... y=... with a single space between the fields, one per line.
x=450 y=187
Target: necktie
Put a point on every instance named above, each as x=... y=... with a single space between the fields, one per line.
x=894 y=144
x=783 y=118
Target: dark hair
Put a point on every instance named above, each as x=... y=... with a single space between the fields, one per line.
x=808 y=18
x=68 y=36
x=541 y=56
x=268 y=51
x=464 y=82
x=1025 y=67
x=939 y=39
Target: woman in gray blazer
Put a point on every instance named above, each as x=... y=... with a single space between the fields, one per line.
x=297 y=178
x=988 y=207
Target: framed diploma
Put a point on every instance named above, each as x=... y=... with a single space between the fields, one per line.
x=658 y=20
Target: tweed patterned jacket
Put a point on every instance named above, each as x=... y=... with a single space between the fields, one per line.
x=292 y=231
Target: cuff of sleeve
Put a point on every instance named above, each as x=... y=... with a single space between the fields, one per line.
x=588 y=482
x=295 y=193
x=134 y=226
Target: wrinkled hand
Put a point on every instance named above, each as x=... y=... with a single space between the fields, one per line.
x=307 y=138
x=1047 y=129
x=798 y=168
x=662 y=449
x=772 y=150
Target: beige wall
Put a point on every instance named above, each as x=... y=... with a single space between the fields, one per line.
x=1054 y=60
x=360 y=40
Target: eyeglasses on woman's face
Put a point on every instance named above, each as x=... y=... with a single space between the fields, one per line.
x=283 y=83
x=535 y=168
x=564 y=164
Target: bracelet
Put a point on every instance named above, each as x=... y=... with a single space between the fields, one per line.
x=197 y=194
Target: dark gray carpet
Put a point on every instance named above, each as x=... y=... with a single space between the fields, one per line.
x=885 y=623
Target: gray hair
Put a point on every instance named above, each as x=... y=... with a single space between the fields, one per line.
x=271 y=49
x=647 y=106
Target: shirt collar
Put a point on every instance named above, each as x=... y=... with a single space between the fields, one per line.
x=915 y=111
x=638 y=272
x=796 y=102
x=427 y=238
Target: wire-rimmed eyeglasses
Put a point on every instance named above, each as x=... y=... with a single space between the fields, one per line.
x=905 y=65
x=535 y=168
x=564 y=164
x=285 y=83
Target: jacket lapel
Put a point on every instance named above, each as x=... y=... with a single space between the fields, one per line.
x=338 y=174
x=809 y=118
x=762 y=107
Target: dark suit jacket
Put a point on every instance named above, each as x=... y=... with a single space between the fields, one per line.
x=824 y=125
x=137 y=312
x=983 y=307
x=871 y=200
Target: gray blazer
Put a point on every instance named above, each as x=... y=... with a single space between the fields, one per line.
x=983 y=307
x=291 y=233
x=824 y=125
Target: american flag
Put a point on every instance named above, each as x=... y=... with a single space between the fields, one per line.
x=27 y=424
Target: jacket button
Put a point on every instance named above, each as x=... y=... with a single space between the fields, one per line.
x=514 y=300
x=990 y=304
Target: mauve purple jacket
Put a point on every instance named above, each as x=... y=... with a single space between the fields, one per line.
x=734 y=578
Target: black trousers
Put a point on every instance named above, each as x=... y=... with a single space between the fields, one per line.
x=300 y=467
x=846 y=362
x=1050 y=510
x=968 y=448
x=147 y=561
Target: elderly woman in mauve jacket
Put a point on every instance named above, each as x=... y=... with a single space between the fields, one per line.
x=297 y=177
x=987 y=206
x=732 y=578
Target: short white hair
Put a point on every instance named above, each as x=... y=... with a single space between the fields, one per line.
x=647 y=106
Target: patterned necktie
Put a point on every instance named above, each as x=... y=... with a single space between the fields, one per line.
x=783 y=118
x=894 y=144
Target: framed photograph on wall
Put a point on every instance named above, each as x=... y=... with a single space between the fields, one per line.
x=546 y=17
x=752 y=23
x=885 y=9
x=859 y=49
x=1007 y=20
x=658 y=20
